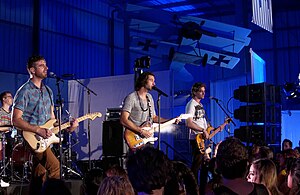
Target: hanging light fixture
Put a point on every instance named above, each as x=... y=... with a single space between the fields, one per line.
x=291 y=90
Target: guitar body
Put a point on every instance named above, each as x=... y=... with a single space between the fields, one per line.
x=38 y=144
x=135 y=141
x=201 y=140
x=200 y=137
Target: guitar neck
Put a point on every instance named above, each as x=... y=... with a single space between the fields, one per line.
x=68 y=124
x=213 y=134
x=162 y=125
x=216 y=131
x=169 y=122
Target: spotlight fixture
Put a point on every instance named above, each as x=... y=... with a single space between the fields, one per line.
x=291 y=90
x=142 y=62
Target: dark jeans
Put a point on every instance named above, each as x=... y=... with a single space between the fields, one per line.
x=197 y=158
x=199 y=164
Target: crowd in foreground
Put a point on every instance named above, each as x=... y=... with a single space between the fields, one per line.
x=234 y=170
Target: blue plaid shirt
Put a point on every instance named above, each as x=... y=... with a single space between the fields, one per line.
x=34 y=102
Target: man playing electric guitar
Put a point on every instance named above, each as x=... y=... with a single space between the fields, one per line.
x=197 y=125
x=32 y=108
x=205 y=142
x=138 y=110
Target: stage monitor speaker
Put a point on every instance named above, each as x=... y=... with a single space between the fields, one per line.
x=270 y=135
x=258 y=93
x=258 y=113
x=112 y=138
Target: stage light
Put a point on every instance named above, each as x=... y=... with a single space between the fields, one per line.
x=291 y=90
x=142 y=62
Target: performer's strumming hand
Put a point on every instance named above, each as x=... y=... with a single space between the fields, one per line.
x=45 y=133
x=205 y=134
x=146 y=133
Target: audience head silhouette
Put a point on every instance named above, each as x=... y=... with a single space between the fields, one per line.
x=115 y=185
x=232 y=162
x=183 y=181
x=287 y=144
x=232 y=158
x=148 y=169
x=294 y=177
x=263 y=171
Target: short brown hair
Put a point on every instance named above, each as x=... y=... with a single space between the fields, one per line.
x=31 y=60
x=196 y=87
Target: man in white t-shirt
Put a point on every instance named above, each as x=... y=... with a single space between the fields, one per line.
x=196 y=124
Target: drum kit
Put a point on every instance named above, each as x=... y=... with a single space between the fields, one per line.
x=16 y=158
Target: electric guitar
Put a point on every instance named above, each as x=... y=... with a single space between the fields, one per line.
x=135 y=141
x=200 y=137
x=39 y=144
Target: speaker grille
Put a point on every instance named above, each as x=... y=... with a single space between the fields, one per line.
x=112 y=138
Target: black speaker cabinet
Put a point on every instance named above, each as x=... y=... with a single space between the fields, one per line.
x=112 y=138
x=271 y=135
x=260 y=92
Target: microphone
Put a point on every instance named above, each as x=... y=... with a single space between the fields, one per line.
x=159 y=91
x=53 y=75
x=213 y=98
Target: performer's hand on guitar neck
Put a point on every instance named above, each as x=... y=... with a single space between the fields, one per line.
x=74 y=124
x=177 y=121
x=227 y=121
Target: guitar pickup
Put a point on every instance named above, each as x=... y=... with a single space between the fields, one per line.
x=37 y=145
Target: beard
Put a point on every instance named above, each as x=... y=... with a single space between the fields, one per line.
x=42 y=75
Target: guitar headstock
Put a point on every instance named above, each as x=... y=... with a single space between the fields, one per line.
x=94 y=115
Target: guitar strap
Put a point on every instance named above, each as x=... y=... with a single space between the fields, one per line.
x=207 y=119
x=200 y=107
x=149 y=107
x=48 y=90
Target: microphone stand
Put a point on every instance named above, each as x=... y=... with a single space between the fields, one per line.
x=59 y=102
x=158 y=110
x=89 y=91
x=227 y=115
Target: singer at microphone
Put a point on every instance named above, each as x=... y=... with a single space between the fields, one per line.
x=138 y=108
x=33 y=109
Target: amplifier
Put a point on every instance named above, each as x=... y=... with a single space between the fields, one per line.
x=113 y=114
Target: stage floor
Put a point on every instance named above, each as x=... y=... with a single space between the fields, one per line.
x=23 y=189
